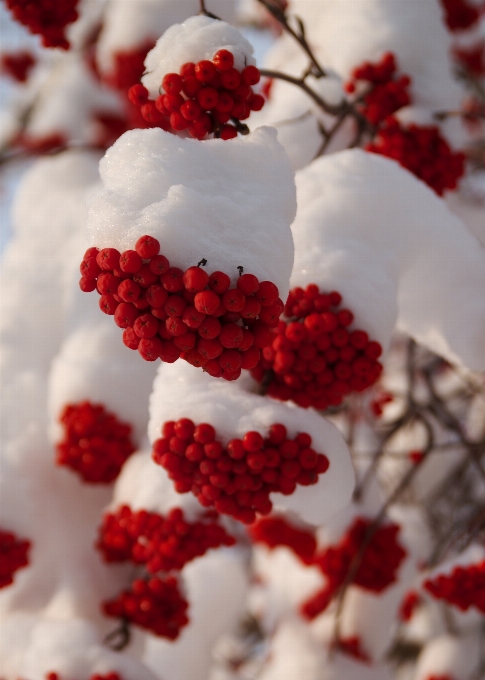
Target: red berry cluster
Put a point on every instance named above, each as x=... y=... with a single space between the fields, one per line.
x=236 y=479
x=96 y=444
x=460 y=14
x=422 y=150
x=374 y=573
x=160 y=543
x=156 y=604
x=202 y=98
x=17 y=65
x=276 y=531
x=96 y=676
x=315 y=359
x=13 y=556
x=46 y=18
x=387 y=93
x=167 y=313
x=440 y=677
x=408 y=605
x=464 y=587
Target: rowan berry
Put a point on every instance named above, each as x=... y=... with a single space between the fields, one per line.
x=206 y=302
x=147 y=247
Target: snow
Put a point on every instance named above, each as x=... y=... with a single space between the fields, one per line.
x=349 y=32
x=93 y=364
x=216 y=590
x=457 y=657
x=369 y=229
x=197 y=38
x=32 y=646
x=68 y=100
x=128 y=25
x=182 y=391
x=230 y=202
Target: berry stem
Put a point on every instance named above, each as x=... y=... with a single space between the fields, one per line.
x=205 y=12
x=120 y=637
x=202 y=262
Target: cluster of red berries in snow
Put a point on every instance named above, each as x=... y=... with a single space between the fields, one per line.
x=464 y=587
x=440 y=677
x=422 y=150
x=277 y=531
x=47 y=18
x=96 y=676
x=315 y=359
x=168 y=313
x=373 y=573
x=460 y=14
x=387 y=93
x=96 y=444
x=202 y=98
x=160 y=543
x=237 y=478
x=17 y=65
x=13 y=556
x=155 y=604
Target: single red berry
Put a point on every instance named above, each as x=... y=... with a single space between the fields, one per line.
x=172 y=102
x=126 y=315
x=207 y=97
x=204 y=71
x=108 y=304
x=209 y=328
x=250 y=358
x=172 y=280
x=89 y=267
x=187 y=70
x=147 y=247
x=190 y=110
x=130 y=338
x=206 y=302
x=192 y=318
x=159 y=265
x=156 y=295
x=108 y=258
x=233 y=300
x=267 y=293
x=191 y=86
x=150 y=348
x=228 y=132
x=219 y=282
x=138 y=95
x=223 y=60
x=87 y=285
x=250 y=75
x=256 y=102
x=231 y=79
x=130 y=261
x=178 y=122
x=172 y=83
x=230 y=360
x=195 y=279
x=146 y=326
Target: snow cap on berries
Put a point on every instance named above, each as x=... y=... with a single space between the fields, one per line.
x=196 y=39
x=231 y=204
x=181 y=391
x=369 y=229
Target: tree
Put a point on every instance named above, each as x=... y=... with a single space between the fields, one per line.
x=278 y=437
